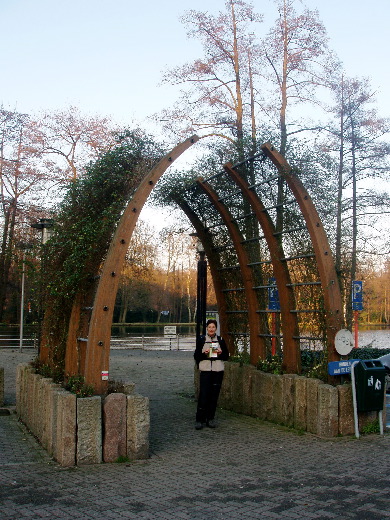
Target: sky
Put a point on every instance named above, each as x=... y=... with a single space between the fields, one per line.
x=107 y=57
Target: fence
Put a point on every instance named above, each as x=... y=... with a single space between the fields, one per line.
x=12 y=340
x=144 y=341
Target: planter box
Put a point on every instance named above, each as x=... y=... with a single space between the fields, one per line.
x=75 y=431
x=295 y=401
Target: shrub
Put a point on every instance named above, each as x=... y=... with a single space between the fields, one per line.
x=76 y=385
x=272 y=365
x=53 y=372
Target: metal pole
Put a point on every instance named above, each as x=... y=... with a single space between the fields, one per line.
x=354 y=399
x=356 y=327
x=273 y=341
x=201 y=295
x=22 y=305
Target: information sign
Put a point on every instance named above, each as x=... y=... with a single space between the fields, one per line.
x=357 y=295
x=338 y=368
x=170 y=331
x=343 y=342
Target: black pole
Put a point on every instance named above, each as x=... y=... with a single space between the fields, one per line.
x=201 y=295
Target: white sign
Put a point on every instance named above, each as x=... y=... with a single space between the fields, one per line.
x=343 y=342
x=104 y=375
x=170 y=331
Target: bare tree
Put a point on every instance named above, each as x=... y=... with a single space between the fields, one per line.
x=215 y=96
x=75 y=139
x=23 y=179
x=364 y=164
x=140 y=268
x=295 y=62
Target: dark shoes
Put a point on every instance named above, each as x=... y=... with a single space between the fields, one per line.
x=211 y=424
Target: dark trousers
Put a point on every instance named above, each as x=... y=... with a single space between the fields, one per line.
x=209 y=387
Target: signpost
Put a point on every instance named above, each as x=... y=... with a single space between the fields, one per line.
x=170 y=332
x=273 y=305
x=357 y=305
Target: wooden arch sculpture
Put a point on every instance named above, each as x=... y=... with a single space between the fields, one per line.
x=90 y=355
x=328 y=279
x=323 y=255
x=88 y=345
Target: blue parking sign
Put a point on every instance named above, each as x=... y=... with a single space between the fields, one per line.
x=273 y=296
x=357 y=295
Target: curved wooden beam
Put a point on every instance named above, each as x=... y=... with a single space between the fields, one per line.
x=98 y=341
x=257 y=343
x=214 y=264
x=291 y=348
x=326 y=268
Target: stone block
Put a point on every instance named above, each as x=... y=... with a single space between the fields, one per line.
x=66 y=428
x=44 y=411
x=114 y=427
x=225 y=396
x=276 y=411
x=300 y=403
x=267 y=396
x=89 y=430
x=312 y=404
x=128 y=388
x=138 y=426
x=47 y=440
x=53 y=449
x=328 y=411
x=1 y=386
x=247 y=373
x=346 y=417
x=257 y=396
x=33 y=399
x=21 y=394
x=22 y=375
x=236 y=388
x=288 y=403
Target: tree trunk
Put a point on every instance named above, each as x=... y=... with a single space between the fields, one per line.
x=340 y=188
x=354 y=228
x=239 y=104
x=283 y=127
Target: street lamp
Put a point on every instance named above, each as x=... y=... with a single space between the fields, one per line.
x=46 y=225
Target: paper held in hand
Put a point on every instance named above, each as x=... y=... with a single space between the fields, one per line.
x=213 y=351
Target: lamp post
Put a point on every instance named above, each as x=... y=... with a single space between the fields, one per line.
x=24 y=247
x=201 y=291
x=46 y=225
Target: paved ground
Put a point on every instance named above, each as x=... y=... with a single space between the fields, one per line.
x=245 y=469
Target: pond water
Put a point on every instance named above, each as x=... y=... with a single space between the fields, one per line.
x=378 y=337
x=121 y=331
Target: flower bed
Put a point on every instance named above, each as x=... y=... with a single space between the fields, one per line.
x=87 y=430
